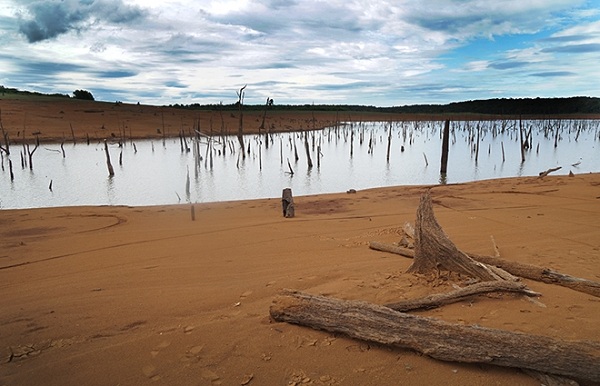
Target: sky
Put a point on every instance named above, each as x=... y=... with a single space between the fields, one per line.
x=380 y=53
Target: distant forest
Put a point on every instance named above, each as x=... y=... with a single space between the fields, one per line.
x=503 y=106
x=499 y=106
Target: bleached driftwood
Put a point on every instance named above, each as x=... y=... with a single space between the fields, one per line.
x=551 y=170
x=437 y=300
x=542 y=274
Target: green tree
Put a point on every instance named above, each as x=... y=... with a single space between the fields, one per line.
x=83 y=94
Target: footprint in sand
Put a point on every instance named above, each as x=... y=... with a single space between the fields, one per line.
x=192 y=355
x=211 y=376
x=162 y=345
x=150 y=372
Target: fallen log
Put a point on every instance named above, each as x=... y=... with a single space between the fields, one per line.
x=542 y=274
x=437 y=300
x=527 y=271
x=550 y=380
x=438 y=339
x=392 y=249
x=551 y=170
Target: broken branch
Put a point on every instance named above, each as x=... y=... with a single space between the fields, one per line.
x=437 y=300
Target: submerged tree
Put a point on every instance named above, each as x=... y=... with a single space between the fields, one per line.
x=240 y=135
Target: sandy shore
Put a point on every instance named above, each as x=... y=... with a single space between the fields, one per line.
x=51 y=120
x=145 y=295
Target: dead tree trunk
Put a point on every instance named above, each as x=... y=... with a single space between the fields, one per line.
x=287 y=202
x=111 y=171
x=434 y=251
x=439 y=339
x=445 y=145
x=240 y=135
x=307 y=148
x=6 y=148
x=30 y=152
x=389 y=145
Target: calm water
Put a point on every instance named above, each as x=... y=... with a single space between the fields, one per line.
x=156 y=172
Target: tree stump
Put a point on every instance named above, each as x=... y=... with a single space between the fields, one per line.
x=434 y=251
x=287 y=202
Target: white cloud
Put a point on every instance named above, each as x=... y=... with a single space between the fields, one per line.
x=336 y=51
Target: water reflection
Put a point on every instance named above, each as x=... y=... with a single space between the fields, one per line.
x=443 y=179
x=110 y=190
x=152 y=174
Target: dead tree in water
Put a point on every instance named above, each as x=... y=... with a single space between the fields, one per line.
x=309 y=160
x=262 y=124
x=30 y=152
x=445 y=145
x=387 y=158
x=111 y=171
x=521 y=136
x=240 y=135
x=6 y=148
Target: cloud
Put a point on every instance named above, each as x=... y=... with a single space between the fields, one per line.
x=47 y=19
x=340 y=51
x=552 y=74
x=465 y=20
x=507 y=65
x=575 y=48
x=50 y=68
x=175 y=84
x=116 y=74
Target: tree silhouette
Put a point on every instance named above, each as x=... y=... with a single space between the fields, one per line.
x=83 y=94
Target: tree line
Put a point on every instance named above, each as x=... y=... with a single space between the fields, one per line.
x=499 y=106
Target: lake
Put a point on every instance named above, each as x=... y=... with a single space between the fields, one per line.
x=352 y=156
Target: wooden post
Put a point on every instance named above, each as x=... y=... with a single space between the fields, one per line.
x=287 y=202
x=445 y=145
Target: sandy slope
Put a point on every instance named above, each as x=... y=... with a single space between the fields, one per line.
x=51 y=119
x=133 y=296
